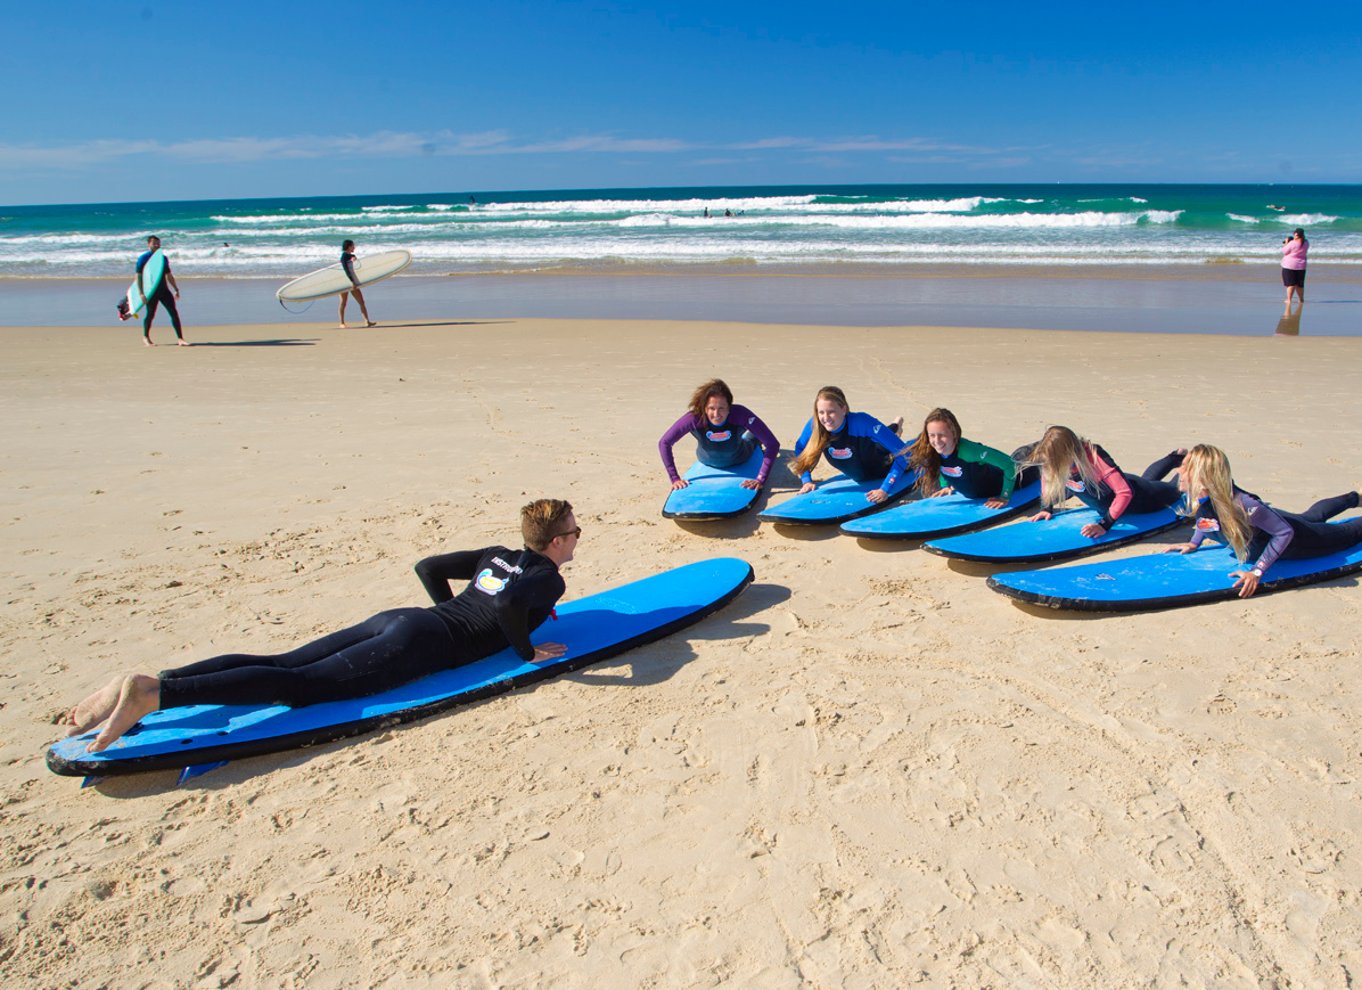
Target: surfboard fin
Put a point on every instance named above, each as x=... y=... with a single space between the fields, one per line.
x=198 y=770
x=90 y=781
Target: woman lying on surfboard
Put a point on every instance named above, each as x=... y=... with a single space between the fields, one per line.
x=946 y=462
x=727 y=434
x=855 y=443
x=1071 y=465
x=510 y=594
x=1226 y=513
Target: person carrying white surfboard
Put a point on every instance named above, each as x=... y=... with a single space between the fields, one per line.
x=158 y=294
x=510 y=593
x=347 y=260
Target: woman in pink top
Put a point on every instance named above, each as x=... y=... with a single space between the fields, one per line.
x=1073 y=465
x=1294 y=249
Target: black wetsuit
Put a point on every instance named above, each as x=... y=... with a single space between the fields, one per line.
x=162 y=296
x=510 y=593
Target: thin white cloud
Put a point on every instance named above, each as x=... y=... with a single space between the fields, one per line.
x=406 y=144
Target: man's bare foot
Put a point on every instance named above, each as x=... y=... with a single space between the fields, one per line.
x=148 y=341
x=183 y=343
x=896 y=427
x=371 y=323
x=94 y=709
x=342 y=326
x=138 y=696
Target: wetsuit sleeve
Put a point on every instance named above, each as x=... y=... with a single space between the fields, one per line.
x=979 y=453
x=674 y=433
x=1111 y=476
x=513 y=606
x=770 y=446
x=1279 y=531
x=865 y=424
x=436 y=572
x=800 y=444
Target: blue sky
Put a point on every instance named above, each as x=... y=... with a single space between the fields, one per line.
x=117 y=101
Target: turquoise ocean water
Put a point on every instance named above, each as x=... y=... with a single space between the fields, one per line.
x=1155 y=225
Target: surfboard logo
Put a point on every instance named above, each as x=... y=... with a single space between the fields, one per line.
x=839 y=453
x=954 y=471
x=489 y=583
x=719 y=436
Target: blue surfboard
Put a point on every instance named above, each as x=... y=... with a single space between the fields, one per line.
x=1163 y=580
x=835 y=501
x=1053 y=539
x=593 y=628
x=715 y=493
x=940 y=516
x=149 y=279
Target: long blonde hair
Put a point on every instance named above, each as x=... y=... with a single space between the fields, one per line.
x=1206 y=468
x=820 y=438
x=1057 y=454
x=922 y=456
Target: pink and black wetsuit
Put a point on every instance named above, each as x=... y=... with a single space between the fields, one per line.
x=1117 y=492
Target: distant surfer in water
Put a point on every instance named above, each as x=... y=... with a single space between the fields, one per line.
x=162 y=296
x=855 y=443
x=1226 y=513
x=946 y=462
x=727 y=434
x=1072 y=465
x=510 y=593
x=347 y=261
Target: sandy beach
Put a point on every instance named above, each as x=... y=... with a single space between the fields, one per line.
x=868 y=771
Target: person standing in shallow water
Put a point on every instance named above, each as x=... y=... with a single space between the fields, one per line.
x=1294 y=250
x=347 y=260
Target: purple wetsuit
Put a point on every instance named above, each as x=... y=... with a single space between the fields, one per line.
x=726 y=445
x=1289 y=535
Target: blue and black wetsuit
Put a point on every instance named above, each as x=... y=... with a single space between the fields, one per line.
x=347 y=261
x=1118 y=492
x=162 y=296
x=863 y=449
x=510 y=593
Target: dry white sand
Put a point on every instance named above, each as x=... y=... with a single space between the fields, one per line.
x=868 y=771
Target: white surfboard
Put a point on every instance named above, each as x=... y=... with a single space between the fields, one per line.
x=332 y=280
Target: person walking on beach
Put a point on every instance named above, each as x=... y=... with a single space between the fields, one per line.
x=162 y=295
x=347 y=261
x=510 y=593
x=1294 y=249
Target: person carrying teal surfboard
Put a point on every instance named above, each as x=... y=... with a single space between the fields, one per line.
x=154 y=286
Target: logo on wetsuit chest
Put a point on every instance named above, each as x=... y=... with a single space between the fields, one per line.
x=719 y=436
x=1075 y=485
x=1207 y=525
x=488 y=583
x=953 y=471
x=840 y=453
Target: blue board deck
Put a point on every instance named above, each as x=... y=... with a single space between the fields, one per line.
x=1163 y=580
x=715 y=493
x=593 y=628
x=1054 y=539
x=940 y=516
x=835 y=501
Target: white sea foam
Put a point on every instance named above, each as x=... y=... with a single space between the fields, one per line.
x=1305 y=219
